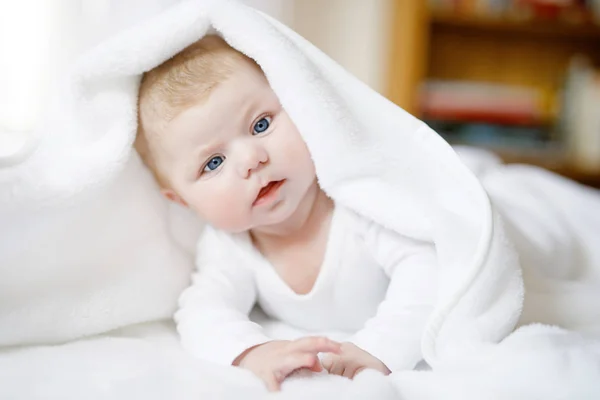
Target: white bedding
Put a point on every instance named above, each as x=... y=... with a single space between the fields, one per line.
x=145 y=362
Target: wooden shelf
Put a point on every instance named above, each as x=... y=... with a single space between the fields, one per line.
x=562 y=30
x=444 y=45
x=552 y=161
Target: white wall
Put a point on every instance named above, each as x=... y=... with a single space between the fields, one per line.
x=283 y=10
x=352 y=32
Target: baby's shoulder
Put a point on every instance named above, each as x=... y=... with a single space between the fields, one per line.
x=218 y=245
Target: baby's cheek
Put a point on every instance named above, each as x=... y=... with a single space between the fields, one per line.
x=293 y=151
x=225 y=212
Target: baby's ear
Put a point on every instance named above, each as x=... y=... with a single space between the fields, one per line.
x=174 y=197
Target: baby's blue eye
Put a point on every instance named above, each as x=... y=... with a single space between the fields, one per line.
x=261 y=125
x=214 y=163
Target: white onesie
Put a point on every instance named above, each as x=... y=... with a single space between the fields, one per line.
x=374 y=284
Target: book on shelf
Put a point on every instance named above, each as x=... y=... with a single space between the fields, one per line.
x=508 y=117
x=484 y=102
x=574 y=10
x=491 y=115
x=580 y=114
x=508 y=138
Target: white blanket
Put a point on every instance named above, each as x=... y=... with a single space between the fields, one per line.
x=145 y=362
x=88 y=246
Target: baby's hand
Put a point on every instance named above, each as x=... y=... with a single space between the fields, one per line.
x=274 y=361
x=352 y=360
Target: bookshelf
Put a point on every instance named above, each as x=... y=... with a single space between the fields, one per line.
x=445 y=45
x=560 y=30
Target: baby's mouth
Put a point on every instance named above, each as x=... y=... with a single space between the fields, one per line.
x=266 y=190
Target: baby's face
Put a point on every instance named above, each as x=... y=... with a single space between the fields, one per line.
x=236 y=158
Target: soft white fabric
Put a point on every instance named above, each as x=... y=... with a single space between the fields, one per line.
x=145 y=362
x=86 y=245
x=555 y=226
x=375 y=288
x=535 y=362
x=84 y=250
x=415 y=185
x=87 y=263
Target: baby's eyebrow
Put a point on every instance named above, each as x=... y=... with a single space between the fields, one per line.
x=207 y=146
x=251 y=108
x=202 y=150
x=199 y=156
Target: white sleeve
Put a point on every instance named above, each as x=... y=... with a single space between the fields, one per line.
x=212 y=319
x=393 y=335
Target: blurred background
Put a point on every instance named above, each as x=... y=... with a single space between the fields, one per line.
x=519 y=77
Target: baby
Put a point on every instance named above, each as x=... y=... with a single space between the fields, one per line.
x=218 y=141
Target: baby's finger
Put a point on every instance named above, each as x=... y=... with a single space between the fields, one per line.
x=327 y=362
x=296 y=361
x=273 y=384
x=350 y=370
x=315 y=344
x=317 y=367
x=358 y=371
x=338 y=367
x=333 y=364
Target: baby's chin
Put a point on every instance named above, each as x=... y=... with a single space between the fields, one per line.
x=255 y=222
x=241 y=226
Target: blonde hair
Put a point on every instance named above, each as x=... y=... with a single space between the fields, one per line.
x=185 y=79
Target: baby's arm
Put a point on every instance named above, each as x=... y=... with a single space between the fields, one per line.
x=213 y=322
x=393 y=335
x=212 y=319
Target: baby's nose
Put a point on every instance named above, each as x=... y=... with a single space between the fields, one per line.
x=253 y=158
